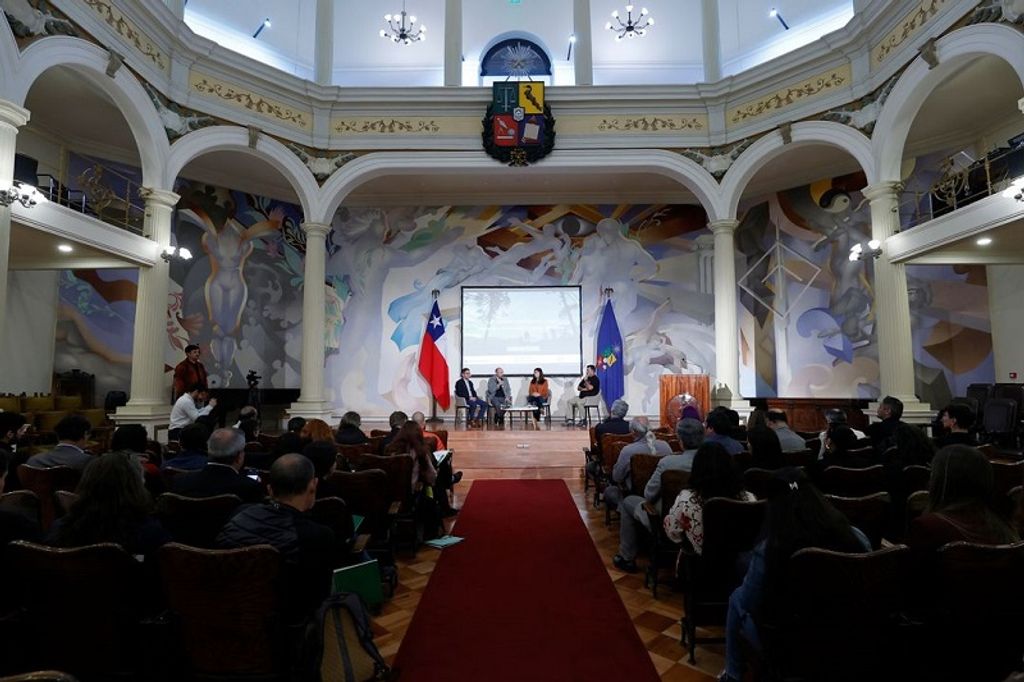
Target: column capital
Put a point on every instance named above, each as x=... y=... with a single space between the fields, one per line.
x=12 y=114
x=882 y=190
x=158 y=197
x=316 y=229
x=723 y=226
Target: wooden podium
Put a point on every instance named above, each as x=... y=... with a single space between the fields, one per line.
x=671 y=385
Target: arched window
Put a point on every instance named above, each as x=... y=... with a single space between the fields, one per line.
x=516 y=59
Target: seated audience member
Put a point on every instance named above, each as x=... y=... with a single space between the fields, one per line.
x=476 y=407
x=73 y=435
x=291 y=440
x=789 y=439
x=720 y=426
x=957 y=420
x=429 y=485
x=714 y=474
x=13 y=525
x=960 y=503
x=112 y=506
x=247 y=412
x=912 y=447
x=222 y=474
x=250 y=428
x=396 y=421
x=644 y=442
x=835 y=417
x=432 y=440
x=186 y=409
x=134 y=438
x=757 y=419
x=883 y=433
x=324 y=457
x=192 y=455
x=631 y=512
x=310 y=550
x=615 y=423
x=316 y=429
x=12 y=428
x=798 y=517
x=348 y=432
x=839 y=440
x=539 y=393
x=765 y=448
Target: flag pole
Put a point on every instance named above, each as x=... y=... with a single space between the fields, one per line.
x=434 y=419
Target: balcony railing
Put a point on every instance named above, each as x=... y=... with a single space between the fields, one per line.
x=102 y=192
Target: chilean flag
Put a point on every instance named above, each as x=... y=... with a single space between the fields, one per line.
x=433 y=366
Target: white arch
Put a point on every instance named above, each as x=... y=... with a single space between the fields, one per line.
x=918 y=81
x=234 y=138
x=771 y=145
x=582 y=161
x=128 y=95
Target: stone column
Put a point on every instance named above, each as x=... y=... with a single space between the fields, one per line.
x=12 y=117
x=149 y=400
x=583 y=55
x=712 y=39
x=727 y=360
x=311 y=402
x=452 y=43
x=324 y=47
x=892 y=306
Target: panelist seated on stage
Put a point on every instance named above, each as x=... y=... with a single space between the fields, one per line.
x=476 y=408
x=499 y=395
x=588 y=387
x=540 y=394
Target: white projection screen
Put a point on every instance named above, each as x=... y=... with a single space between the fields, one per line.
x=519 y=328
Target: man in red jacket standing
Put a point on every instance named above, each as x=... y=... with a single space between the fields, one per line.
x=189 y=372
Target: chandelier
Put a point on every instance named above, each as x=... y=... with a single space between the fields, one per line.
x=630 y=28
x=402 y=28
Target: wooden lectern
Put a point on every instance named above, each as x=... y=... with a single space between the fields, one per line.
x=672 y=385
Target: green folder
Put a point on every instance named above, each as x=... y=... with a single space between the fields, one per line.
x=363 y=579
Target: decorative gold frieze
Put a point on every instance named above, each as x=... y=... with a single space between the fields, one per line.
x=207 y=85
x=127 y=29
x=386 y=126
x=909 y=26
x=632 y=124
x=784 y=98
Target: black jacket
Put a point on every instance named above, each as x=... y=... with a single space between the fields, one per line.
x=309 y=549
x=217 y=479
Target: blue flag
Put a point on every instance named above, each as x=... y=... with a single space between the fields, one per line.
x=610 y=357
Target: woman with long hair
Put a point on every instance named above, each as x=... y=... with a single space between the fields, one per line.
x=961 y=502
x=112 y=506
x=540 y=394
x=714 y=474
x=798 y=517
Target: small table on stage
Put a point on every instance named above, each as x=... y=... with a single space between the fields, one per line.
x=525 y=411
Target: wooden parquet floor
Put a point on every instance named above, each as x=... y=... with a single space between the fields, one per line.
x=549 y=452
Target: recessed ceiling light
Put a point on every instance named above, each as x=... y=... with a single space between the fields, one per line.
x=984 y=241
x=64 y=248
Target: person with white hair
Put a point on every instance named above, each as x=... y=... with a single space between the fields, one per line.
x=615 y=423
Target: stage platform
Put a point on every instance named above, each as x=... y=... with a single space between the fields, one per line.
x=552 y=451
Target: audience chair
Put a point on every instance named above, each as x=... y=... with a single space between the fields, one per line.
x=170 y=472
x=611 y=448
x=461 y=407
x=839 y=617
x=641 y=468
x=82 y=607
x=868 y=513
x=1000 y=421
x=25 y=502
x=366 y=493
x=988 y=450
x=917 y=503
x=334 y=513
x=850 y=482
x=671 y=439
x=269 y=441
x=378 y=433
x=980 y=627
x=980 y=393
x=41 y=676
x=592 y=409
x=590 y=453
x=812 y=443
x=44 y=482
x=348 y=455
x=800 y=458
x=226 y=608
x=195 y=521
x=64 y=498
x=731 y=527
x=916 y=477
x=663 y=550
x=757 y=481
x=1006 y=475
x=442 y=434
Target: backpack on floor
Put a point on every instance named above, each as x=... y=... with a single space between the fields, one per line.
x=340 y=642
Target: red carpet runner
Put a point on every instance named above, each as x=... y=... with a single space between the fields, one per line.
x=524 y=597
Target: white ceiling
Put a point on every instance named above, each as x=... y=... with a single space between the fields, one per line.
x=672 y=52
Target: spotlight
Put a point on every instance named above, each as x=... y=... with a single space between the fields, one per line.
x=775 y=15
x=259 y=29
x=984 y=241
x=64 y=248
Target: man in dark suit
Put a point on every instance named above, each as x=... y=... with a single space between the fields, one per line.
x=222 y=473
x=477 y=406
x=73 y=435
x=883 y=433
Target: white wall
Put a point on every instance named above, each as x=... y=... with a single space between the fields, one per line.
x=1006 y=312
x=26 y=363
